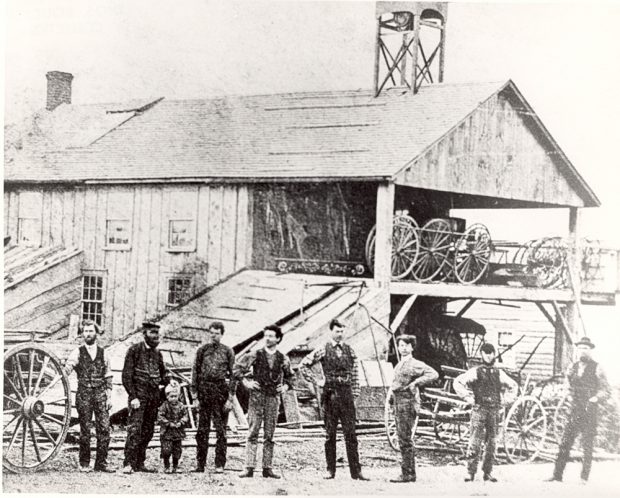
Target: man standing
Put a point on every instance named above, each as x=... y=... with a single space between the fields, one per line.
x=487 y=388
x=341 y=387
x=270 y=377
x=143 y=373
x=588 y=387
x=409 y=375
x=94 y=395
x=213 y=386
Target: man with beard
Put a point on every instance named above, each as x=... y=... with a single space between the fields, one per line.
x=588 y=387
x=213 y=386
x=487 y=388
x=143 y=373
x=94 y=395
x=341 y=387
x=267 y=374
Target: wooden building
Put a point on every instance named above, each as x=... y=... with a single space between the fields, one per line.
x=169 y=200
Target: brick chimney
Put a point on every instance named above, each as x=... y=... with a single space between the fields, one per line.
x=58 y=89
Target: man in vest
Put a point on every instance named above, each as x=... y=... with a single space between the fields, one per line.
x=267 y=374
x=488 y=388
x=143 y=374
x=340 y=389
x=213 y=388
x=94 y=394
x=588 y=387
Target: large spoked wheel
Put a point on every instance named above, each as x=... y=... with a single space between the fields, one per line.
x=525 y=428
x=435 y=244
x=390 y=426
x=472 y=254
x=404 y=246
x=451 y=426
x=37 y=408
x=547 y=260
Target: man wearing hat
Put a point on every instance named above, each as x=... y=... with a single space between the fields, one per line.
x=588 y=387
x=143 y=373
x=267 y=374
x=94 y=395
x=488 y=388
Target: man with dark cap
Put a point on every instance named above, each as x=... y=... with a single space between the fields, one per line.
x=94 y=395
x=588 y=388
x=143 y=373
x=488 y=388
x=267 y=374
x=341 y=387
x=213 y=386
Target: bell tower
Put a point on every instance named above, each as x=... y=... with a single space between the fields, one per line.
x=410 y=44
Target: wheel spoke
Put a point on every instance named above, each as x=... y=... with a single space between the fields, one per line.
x=41 y=373
x=45 y=431
x=14 y=387
x=52 y=419
x=536 y=422
x=20 y=373
x=24 y=435
x=57 y=402
x=8 y=398
x=34 y=440
x=17 y=415
x=52 y=384
x=14 y=436
x=30 y=371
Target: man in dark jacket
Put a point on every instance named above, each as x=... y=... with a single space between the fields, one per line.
x=267 y=374
x=94 y=395
x=341 y=387
x=213 y=386
x=588 y=387
x=143 y=373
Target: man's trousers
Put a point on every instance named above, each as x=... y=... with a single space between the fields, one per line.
x=212 y=399
x=263 y=410
x=582 y=419
x=405 y=413
x=140 y=429
x=87 y=402
x=483 y=431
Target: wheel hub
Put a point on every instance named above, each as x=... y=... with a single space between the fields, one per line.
x=33 y=407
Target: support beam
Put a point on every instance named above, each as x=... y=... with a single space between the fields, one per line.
x=383 y=240
x=464 y=309
x=402 y=313
x=573 y=269
x=565 y=326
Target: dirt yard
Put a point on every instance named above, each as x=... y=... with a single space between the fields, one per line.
x=301 y=465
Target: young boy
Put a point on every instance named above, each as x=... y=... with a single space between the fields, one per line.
x=172 y=418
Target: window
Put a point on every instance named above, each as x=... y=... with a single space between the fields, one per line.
x=182 y=220
x=504 y=339
x=92 y=298
x=179 y=290
x=29 y=219
x=118 y=220
x=181 y=235
x=117 y=234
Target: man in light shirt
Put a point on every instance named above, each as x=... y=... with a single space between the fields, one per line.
x=94 y=395
x=488 y=388
x=409 y=375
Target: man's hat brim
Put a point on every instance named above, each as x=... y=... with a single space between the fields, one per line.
x=150 y=326
x=584 y=341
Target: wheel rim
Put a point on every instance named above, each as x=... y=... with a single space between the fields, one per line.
x=547 y=260
x=37 y=408
x=472 y=254
x=390 y=426
x=435 y=239
x=405 y=246
x=451 y=426
x=525 y=429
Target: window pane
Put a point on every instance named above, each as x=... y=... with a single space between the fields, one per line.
x=181 y=233
x=29 y=232
x=117 y=232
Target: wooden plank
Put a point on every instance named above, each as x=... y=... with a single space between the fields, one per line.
x=68 y=216
x=56 y=217
x=141 y=232
x=79 y=207
x=215 y=234
x=228 y=237
x=383 y=240
x=90 y=217
x=441 y=289
x=243 y=221
x=46 y=218
x=202 y=230
x=155 y=241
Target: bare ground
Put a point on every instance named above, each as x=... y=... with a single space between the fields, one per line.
x=301 y=465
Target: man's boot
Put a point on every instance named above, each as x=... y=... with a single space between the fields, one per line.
x=269 y=473
x=249 y=472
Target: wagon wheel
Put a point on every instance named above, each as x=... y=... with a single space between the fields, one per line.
x=524 y=251
x=451 y=426
x=472 y=254
x=435 y=243
x=390 y=425
x=472 y=342
x=547 y=261
x=591 y=260
x=525 y=428
x=37 y=408
x=404 y=246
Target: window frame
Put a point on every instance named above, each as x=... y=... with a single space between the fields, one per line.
x=188 y=292
x=20 y=229
x=98 y=317
x=115 y=246
x=189 y=248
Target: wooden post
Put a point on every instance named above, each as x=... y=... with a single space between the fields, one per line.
x=442 y=49
x=383 y=241
x=574 y=270
x=377 y=55
x=414 y=53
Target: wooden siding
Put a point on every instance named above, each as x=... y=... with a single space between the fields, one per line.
x=135 y=278
x=493 y=152
x=522 y=319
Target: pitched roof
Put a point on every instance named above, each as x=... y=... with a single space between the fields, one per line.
x=295 y=136
x=305 y=135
